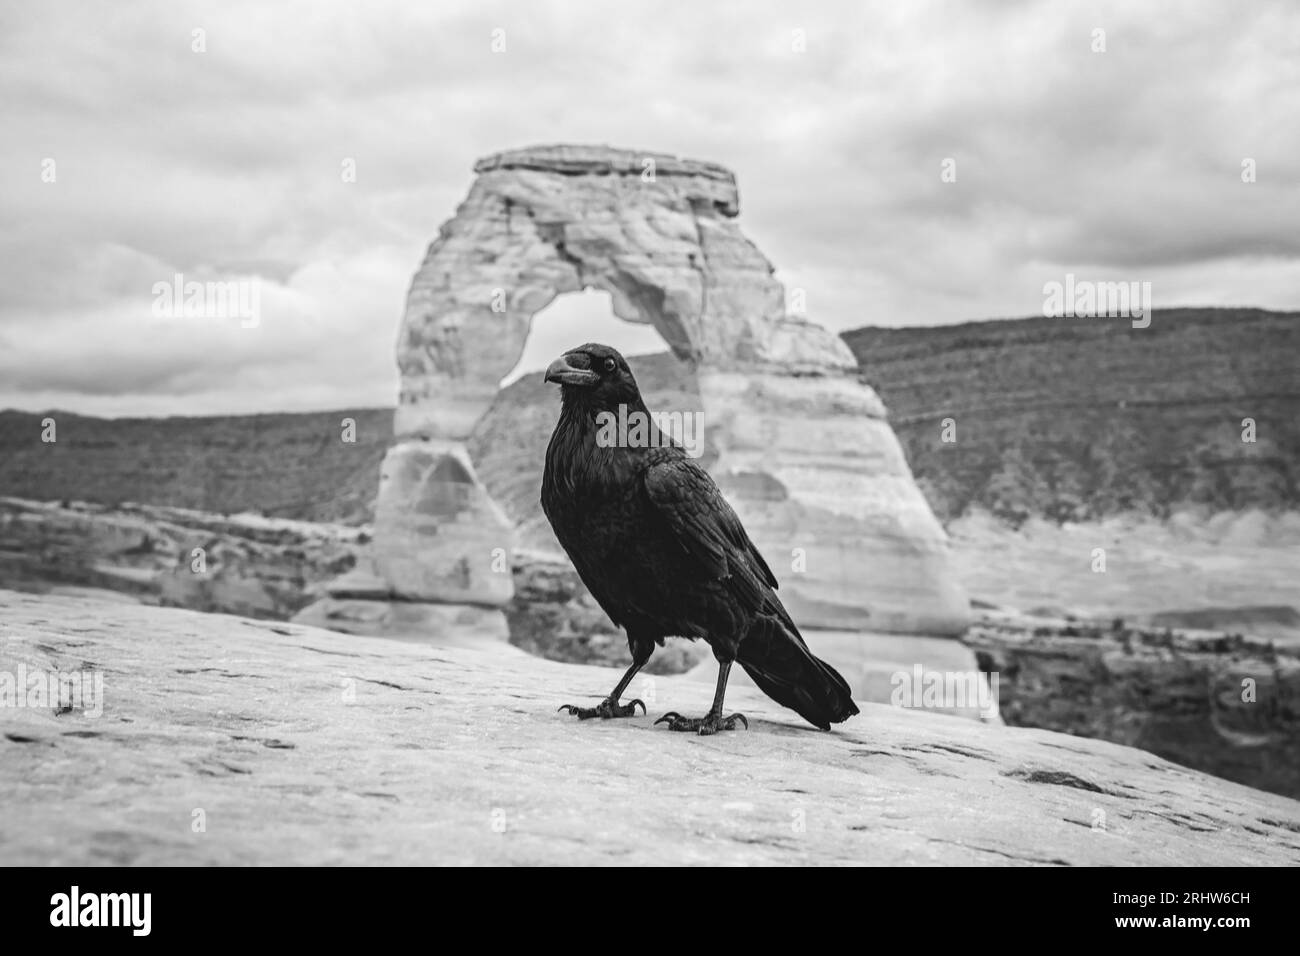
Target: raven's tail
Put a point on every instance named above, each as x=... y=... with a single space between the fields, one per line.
x=774 y=654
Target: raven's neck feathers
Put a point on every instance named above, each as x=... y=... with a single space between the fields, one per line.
x=581 y=402
x=575 y=461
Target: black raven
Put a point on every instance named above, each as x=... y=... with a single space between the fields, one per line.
x=663 y=553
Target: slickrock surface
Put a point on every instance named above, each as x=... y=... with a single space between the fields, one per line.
x=295 y=745
x=1237 y=572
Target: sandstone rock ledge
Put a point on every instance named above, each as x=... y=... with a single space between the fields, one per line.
x=306 y=746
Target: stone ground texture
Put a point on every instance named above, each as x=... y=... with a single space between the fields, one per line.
x=454 y=755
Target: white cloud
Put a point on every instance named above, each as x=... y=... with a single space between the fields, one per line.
x=1125 y=163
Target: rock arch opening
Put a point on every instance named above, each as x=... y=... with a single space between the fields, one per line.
x=577 y=317
x=508 y=443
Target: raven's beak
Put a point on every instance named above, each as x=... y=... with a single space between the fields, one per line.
x=569 y=370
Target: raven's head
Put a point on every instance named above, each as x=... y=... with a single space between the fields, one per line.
x=595 y=375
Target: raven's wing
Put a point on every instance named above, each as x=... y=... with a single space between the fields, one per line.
x=594 y=582
x=596 y=586
x=706 y=527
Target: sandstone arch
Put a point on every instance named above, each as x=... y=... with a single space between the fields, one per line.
x=803 y=449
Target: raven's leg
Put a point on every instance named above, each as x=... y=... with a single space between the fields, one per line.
x=713 y=721
x=610 y=707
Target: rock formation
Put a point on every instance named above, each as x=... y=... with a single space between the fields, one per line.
x=308 y=747
x=799 y=445
x=1176 y=693
x=304 y=466
x=240 y=564
x=1222 y=703
x=1075 y=419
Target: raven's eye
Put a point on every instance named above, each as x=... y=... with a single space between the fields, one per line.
x=610 y=365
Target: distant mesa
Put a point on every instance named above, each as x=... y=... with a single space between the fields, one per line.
x=1078 y=419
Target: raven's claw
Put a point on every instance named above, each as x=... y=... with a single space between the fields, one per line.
x=605 y=709
x=708 y=724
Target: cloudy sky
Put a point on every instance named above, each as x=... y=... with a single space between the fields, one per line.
x=225 y=163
